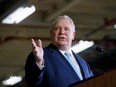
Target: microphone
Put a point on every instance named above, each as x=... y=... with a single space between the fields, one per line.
x=99 y=49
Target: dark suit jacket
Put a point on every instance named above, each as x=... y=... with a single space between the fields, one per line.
x=57 y=71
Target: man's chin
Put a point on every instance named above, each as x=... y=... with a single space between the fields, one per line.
x=62 y=44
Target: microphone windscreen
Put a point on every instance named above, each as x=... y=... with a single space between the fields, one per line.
x=99 y=49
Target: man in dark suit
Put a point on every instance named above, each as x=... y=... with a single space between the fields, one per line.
x=48 y=66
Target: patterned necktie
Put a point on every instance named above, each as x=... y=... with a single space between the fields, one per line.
x=73 y=64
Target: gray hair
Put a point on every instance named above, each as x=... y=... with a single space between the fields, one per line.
x=64 y=17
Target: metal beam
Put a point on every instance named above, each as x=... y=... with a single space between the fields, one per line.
x=61 y=10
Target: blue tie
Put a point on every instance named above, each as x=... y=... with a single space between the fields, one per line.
x=73 y=64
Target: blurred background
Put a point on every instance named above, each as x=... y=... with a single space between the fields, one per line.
x=95 y=22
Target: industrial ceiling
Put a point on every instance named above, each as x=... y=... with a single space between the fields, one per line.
x=94 y=20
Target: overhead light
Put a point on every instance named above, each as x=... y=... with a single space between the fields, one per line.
x=19 y=14
x=115 y=26
x=82 y=45
x=12 y=80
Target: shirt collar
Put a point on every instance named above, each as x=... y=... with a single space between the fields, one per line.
x=70 y=51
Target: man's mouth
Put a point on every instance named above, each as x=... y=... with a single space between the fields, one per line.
x=61 y=38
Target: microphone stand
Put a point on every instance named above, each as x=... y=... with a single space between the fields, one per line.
x=99 y=49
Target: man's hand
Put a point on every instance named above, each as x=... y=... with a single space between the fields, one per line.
x=38 y=51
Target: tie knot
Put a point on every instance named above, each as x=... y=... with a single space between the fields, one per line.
x=67 y=54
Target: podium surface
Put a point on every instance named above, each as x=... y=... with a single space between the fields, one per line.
x=107 y=79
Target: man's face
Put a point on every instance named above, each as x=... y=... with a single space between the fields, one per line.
x=62 y=34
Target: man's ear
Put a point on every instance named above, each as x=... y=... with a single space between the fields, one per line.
x=73 y=35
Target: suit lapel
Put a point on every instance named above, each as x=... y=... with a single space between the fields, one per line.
x=81 y=65
x=61 y=59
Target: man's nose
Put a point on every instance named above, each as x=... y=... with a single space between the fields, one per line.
x=62 y=30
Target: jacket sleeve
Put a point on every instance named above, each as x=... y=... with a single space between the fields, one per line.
x=33 y=75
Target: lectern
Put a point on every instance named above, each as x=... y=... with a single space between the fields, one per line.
x=107 y=79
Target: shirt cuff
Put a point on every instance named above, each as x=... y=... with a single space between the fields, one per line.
x=40 y=66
